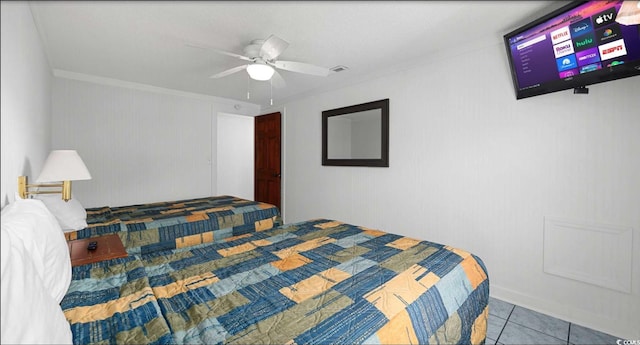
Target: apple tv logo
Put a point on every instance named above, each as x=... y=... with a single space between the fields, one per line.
x=605 y=17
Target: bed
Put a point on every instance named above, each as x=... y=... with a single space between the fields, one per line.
x=156 y=226
x=320 y=281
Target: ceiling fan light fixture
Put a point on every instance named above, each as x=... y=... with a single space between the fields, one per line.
x=260 y=71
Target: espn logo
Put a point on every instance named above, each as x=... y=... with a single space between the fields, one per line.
x=612 y=50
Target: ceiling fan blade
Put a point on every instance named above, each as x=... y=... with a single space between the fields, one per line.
x=204 y=46
x=273 y=47
x=229 y=71
x=277 y=81
x=241 y=57
x=302 y=67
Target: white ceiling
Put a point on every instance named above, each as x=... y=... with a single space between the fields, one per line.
x=146 y=42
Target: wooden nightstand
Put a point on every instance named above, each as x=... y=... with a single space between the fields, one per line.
x=109 y=247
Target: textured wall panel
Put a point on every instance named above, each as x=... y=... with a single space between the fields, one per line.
x=592 y=253
x=140 y=146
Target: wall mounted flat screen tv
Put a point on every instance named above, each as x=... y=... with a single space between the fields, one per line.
x=582 y=43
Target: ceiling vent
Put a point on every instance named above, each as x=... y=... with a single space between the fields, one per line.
x=339 y=68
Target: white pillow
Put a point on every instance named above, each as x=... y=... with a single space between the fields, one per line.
x=29 y=221
x=70 y=214
x=29 y=315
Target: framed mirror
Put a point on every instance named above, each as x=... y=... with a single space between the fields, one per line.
x=357 y=135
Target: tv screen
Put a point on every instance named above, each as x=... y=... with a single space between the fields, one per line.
x=582 y=43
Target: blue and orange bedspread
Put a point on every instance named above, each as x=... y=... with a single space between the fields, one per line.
x=313 y=282
x=147 y=228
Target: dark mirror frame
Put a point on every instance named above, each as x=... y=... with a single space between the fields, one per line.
x=383 y=161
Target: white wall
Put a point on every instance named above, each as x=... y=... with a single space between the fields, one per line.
x=26 y=98
x=141 y=144
x=235 y=143
x=472 y=167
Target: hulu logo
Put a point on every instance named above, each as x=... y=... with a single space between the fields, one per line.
x=584 y=42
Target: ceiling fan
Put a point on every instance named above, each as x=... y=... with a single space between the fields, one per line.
x=261 y=55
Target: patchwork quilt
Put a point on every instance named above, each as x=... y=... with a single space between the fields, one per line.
x=112 y=302
x=157 y=226
x=314 y=282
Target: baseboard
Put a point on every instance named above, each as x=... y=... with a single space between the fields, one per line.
x=619 y=328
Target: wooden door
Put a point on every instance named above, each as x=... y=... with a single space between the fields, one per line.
x=267 y=158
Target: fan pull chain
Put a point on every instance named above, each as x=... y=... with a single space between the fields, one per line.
x=248 y=79
x=271 y=87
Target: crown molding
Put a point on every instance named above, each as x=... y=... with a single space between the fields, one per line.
x=150 y=88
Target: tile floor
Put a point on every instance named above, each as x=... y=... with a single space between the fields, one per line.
x=512 y=324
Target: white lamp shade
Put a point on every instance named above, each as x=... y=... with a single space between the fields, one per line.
x=259 y=71
x=64 y=165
